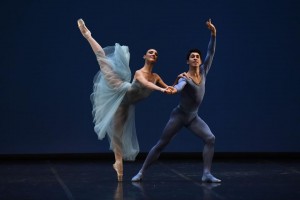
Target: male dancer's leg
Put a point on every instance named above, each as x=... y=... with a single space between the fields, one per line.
x=173 y=126
x=201 y=129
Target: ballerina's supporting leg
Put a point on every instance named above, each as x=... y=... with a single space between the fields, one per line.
x=120 y=119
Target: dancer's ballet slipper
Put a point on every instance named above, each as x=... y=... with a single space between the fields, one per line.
x=83 y=29
x=209 y=178
x=138 y=177
x=119 y=169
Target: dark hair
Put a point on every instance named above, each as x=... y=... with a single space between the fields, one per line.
x=193 y=51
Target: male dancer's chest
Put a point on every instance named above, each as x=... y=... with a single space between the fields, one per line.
x=195 y=91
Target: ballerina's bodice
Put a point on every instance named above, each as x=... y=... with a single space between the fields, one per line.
x=136 y=93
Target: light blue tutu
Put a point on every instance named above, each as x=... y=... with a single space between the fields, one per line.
x=106 y=99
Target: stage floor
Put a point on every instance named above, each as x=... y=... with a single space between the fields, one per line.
x=245 y=179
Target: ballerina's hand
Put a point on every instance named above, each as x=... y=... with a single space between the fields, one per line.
x=170 y=90
x=183 y=75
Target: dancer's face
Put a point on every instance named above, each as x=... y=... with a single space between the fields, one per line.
x=194 y=60
x=151 y=55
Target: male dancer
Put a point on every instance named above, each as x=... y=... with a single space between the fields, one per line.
x=191 y=87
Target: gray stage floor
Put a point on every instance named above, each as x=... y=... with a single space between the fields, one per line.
x=245 y=179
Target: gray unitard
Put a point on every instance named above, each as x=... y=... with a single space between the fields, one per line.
x=186 y=115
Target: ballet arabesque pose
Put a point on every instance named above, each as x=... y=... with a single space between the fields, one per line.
x=191 y=88
x=114 y=96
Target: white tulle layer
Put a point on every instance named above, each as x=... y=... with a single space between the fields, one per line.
x=107 y=99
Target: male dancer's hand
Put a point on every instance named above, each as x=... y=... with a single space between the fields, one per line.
x=211 y=27
x=170 y=90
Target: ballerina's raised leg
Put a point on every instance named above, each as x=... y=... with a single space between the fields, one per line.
x=115 y=82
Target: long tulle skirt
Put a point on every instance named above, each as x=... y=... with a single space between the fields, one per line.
x=107 y=98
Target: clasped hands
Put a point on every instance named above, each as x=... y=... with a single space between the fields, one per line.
x=170 y=90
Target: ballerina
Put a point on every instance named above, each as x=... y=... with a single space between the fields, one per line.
x=114 y=96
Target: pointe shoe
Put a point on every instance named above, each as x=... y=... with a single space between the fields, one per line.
x=119 y=169
x=83 y=29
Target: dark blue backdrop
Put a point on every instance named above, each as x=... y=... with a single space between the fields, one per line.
x=47 y=68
